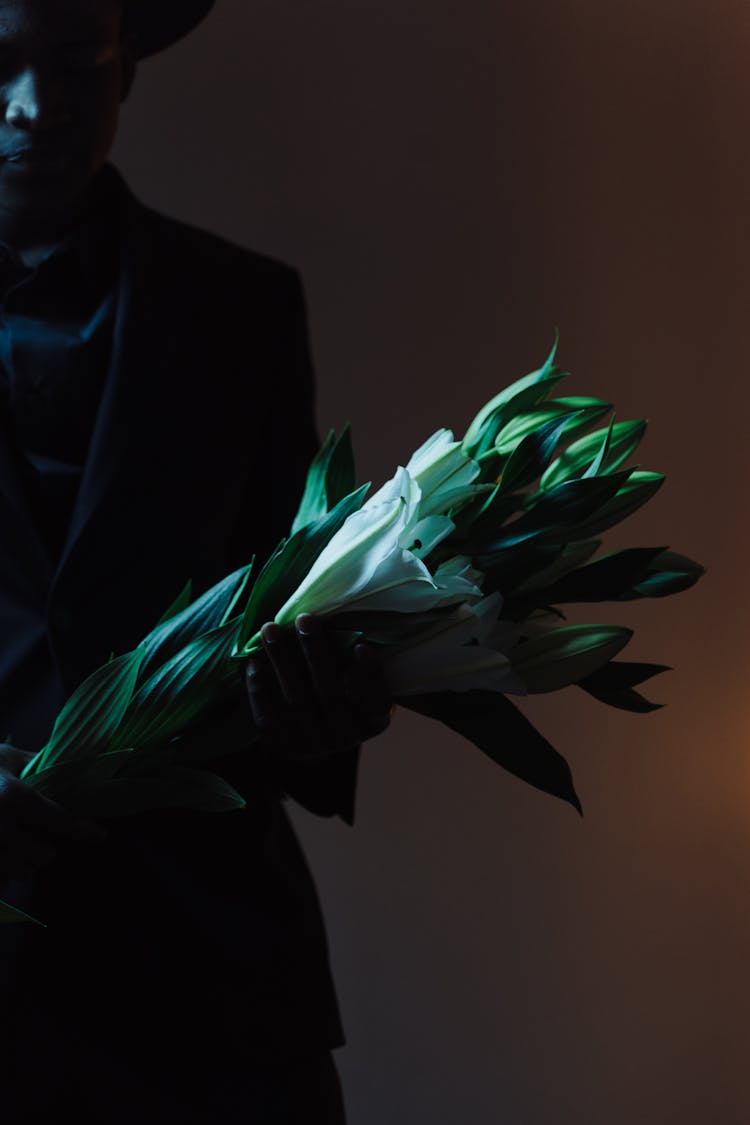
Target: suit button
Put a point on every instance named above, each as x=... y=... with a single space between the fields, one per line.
x=62 y=618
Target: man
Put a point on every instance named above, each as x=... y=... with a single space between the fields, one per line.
x=157 y=420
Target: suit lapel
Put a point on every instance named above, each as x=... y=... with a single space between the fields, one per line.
x=18 y=523
x=109 y=429
x=138 y=380
x=150 y=414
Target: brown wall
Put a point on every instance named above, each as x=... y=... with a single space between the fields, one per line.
x=454 y=180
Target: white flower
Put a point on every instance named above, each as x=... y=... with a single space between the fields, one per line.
x=459 y=570
x=424 y=535
x=443 y=471
x=365 y=560
x=454 y=655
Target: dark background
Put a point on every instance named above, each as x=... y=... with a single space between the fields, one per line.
x=455 y=179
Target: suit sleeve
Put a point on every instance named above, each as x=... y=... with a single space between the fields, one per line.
x=326 y=787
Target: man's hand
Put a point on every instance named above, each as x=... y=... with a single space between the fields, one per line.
x=32 y=827
x=308 y=698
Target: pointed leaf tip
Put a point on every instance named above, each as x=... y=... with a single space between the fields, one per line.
x=501 y=731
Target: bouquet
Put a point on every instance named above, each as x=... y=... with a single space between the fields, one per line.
x=455 y=570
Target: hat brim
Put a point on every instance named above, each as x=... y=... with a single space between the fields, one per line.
x=158 y=24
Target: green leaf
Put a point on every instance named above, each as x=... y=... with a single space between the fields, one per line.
x=625 y=699
x=613 y=684
x=223 y=729
x=289 y=564
x=571 y=555
x=606 y=579
x=624 y=674
x=507 y=410
x=167 y=788
x=236 y=605
x=494 y=414
x=89 y=720
x=663 y=585
x=209 y=611
x=478 y=523
x=180 y=689
x=330 y=478
x=157 y=782
x=578 y=417
x=512 y=566
x=524 y=423
x=10 y=914
x=499 y=730
x=557 y=513
x=637 y=490
x=564 y=656
x=578 y=457
x=668 y=573
x=589 y=411
x=341 y=477
x=532 y=455
x=61 y=781
x=182 y=601
x=597 y=464
x=314 y=502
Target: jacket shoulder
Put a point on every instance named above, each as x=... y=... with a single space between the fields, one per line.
x=184 y=247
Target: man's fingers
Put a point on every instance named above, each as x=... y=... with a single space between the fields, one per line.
x=322 y=659
x=289 y=665
x=310 y=698
x=263 y=692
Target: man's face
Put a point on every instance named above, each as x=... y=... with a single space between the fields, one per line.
x=65 y=67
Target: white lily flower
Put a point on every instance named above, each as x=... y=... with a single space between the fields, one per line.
x=365 y=558
x=425 y=534
x=454 y=655
x=405 y=585
x=401 y=583
x=440 y=466
x=460 y=566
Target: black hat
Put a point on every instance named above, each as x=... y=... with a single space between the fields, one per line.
x=159 y=23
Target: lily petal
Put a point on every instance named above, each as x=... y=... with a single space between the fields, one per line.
x=453 y=656
x=441 y=466
x=401 y=583
x=425 y=535
x=346 y=566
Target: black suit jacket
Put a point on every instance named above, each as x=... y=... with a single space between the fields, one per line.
x=185 y=933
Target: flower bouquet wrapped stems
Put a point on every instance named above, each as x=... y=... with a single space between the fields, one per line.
x=456 y=570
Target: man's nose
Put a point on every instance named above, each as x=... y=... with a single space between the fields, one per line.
x=35 y=102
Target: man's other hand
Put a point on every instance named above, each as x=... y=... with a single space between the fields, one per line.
x=308 y=698
x=32 y=827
